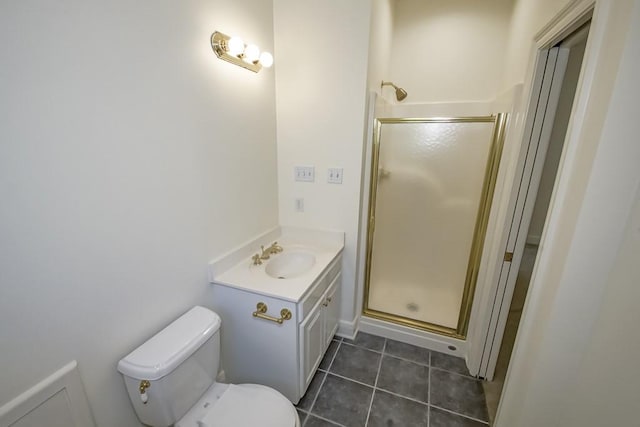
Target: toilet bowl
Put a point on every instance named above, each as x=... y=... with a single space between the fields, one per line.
x=171 y=380
x=241 y=405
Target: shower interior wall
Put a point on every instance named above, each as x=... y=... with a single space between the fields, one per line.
x=440 y=52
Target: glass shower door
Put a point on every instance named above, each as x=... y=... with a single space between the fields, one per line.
x=430 y=184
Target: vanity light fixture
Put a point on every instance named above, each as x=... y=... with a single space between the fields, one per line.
x=233 y=49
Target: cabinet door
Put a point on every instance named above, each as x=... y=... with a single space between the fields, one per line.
x=311 y=344
x=332 y=310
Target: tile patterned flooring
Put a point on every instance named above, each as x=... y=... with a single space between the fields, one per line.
x=376 y=382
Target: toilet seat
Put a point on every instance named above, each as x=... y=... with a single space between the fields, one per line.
x=250 y=405
x=243 y=405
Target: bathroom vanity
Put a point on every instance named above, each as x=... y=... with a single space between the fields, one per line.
x=278 y=317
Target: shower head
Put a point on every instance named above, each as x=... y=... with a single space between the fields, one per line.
x=400 y=93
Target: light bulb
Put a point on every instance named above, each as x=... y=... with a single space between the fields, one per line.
x=266 y=59
x=251 y=53
x=235 y=46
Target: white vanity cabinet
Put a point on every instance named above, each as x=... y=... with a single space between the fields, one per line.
x=283 y=355
x=316 y=331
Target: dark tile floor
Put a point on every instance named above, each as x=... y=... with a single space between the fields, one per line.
x=372 y=381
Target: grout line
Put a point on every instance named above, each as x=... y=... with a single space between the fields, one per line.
x=428 y=363
x=366 y=421
x=404 y=397
x=334 y=356
x=429 y=393
x=314 y=400
x=390 y=354
x=326 y=373
x=459 y=414
x=323 y=419
x=375 y=387
x=375 y=383
x=363 y=347
x=401 y=396
x=350 y=379
x=456 y=373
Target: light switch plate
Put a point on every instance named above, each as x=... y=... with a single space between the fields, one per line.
x=304 y=173
x=334 y=176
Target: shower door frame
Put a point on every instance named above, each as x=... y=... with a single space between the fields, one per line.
x=480 y=228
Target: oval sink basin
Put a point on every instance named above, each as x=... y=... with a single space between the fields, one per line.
x=290 y=264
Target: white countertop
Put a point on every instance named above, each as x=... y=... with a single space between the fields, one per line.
x=325 y=245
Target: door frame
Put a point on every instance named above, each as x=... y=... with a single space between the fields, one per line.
x=550 y=71
x=496 y=296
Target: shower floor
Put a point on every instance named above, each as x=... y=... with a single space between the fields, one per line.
x=416 y=301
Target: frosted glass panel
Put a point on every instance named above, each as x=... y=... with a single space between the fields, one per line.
x=429 y=186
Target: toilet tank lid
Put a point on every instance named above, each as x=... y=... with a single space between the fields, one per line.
x=171 y=346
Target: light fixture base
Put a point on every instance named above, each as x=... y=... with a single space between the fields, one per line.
x=219 y=45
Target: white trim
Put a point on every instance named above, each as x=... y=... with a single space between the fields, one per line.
x=75 y=405
x=542 y=324
x=347 y=329
x=537 y=139
x=413 y=336
x=367 y=151
x=567 y=20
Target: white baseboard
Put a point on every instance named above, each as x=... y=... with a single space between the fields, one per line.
x=348 y=329
x=408 y=335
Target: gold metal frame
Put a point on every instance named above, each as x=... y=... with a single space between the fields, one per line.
x=488 y=187
x=219 y=45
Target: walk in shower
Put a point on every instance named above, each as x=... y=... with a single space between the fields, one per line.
x=432 y=182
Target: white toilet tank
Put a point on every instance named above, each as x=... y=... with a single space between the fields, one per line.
x=180 y=363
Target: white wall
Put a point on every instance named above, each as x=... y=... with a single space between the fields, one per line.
x=380 y=43
x=606 y=390
x=449 y=51
x=129 y=157
x=322 y=50
x=528 y=18
x=586 y=272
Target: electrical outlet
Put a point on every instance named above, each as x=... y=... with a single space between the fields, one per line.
x=334 y=176
x=304 y=173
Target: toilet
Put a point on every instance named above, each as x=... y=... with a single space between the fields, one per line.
x=171 y=380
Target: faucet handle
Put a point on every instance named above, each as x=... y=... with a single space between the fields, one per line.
x=256 y=259
x=265 y=252
x=275 y=249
